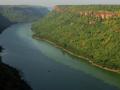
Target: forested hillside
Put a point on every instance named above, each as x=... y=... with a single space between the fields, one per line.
x=89 y=31
x=15 y=14
x=20 y=13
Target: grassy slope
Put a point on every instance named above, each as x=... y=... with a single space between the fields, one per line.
x=88 y=36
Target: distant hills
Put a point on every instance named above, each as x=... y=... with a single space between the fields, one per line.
x=18 y=14
x=22 y=13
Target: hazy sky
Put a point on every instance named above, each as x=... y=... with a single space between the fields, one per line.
x=54 y=2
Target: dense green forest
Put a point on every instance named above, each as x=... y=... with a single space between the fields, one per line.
x=20 y=13
x=89 y=36
x=90 y=7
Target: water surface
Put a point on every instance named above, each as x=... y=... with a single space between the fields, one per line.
x=46 y=67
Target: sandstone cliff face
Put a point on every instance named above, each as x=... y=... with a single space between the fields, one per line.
x=98 y=14
x=58 y=9
x=102 y=15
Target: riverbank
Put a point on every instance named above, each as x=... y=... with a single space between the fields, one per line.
x=73 y=54
x=10 y=78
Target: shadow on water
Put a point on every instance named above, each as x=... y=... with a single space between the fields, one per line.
x=10 y=78
x=0 y=53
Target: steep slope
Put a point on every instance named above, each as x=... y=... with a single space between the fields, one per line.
x=92 y=32
x=20 y=13
x=4 y=23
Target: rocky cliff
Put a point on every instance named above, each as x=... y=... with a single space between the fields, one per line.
x=100 y=13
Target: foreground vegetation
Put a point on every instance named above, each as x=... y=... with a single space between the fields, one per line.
x=93 y=37
x=10 y=79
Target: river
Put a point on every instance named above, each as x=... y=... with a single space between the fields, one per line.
x=46 y=67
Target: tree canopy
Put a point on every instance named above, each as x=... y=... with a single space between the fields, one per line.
x=88 y=36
